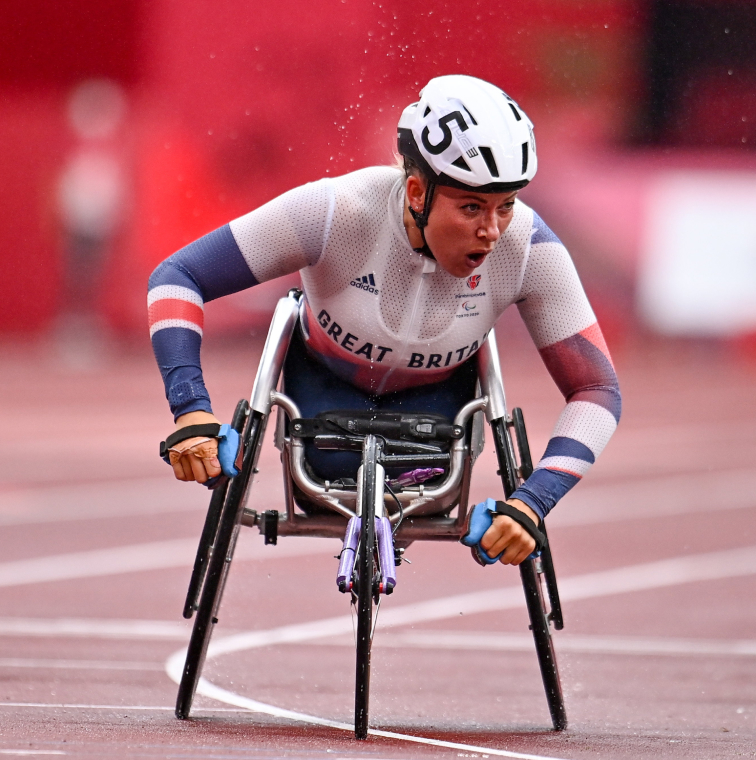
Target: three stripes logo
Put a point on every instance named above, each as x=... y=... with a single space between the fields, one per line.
x=366 y=282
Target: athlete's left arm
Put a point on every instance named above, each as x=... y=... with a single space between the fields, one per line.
x=563 y=326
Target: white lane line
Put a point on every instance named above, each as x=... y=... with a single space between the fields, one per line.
x=98 y=500
x=593 y=503
x=231 y=698
x=19 y=662
x=672 y=572
x=584 y=644
x=139 y=557
x=67 y=706
x=679 y=494
x=164 y=630
x=650 y=575
x=159 y=630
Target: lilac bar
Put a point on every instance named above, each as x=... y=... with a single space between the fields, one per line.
x=346 y=561
x=386 y=553
x=414 y=477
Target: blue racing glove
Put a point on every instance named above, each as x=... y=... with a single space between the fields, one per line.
x=479 y=521
x=229 y=448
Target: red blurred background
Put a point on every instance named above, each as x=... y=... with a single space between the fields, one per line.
x=230 y=103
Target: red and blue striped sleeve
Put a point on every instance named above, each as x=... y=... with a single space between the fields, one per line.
x=564 y=329
x=210 y=267
x=278 y=238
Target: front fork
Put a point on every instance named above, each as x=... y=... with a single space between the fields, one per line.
x=386 y=562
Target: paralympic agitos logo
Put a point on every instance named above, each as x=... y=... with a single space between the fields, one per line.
x=473 y=281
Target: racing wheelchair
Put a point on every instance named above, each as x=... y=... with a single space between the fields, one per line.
x=377 y=516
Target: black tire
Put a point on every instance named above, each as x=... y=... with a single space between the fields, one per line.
x=505 y=456
x=218 y=567
x=365 y=566
x=210 y=529
x=539 y=624
x=523 y=447
x=207 y=539
x=531 y=582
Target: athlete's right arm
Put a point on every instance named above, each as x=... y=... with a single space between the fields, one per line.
x=278 y=238
x=211 y=267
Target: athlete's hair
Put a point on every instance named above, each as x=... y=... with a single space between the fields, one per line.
x=409 y=167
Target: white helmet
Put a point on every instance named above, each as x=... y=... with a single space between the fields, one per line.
x=465 y=133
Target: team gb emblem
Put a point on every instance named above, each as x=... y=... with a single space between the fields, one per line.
x=473 y=281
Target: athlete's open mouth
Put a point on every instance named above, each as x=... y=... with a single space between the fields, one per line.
x=475 y=259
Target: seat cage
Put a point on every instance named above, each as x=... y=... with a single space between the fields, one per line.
x=425 y=513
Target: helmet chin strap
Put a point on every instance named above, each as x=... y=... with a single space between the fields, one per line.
x=421 y=219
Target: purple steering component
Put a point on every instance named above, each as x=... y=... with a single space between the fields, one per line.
x=386 y=554
x=415 y=477
x=386 y=562
x=346 y=558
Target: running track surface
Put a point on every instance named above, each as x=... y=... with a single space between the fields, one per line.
x=655 y=552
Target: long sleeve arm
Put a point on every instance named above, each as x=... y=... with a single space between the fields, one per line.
x=279 y=238
x=208 y=268
x=564 y=329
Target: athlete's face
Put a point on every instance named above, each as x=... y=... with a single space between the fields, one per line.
x=463 y=227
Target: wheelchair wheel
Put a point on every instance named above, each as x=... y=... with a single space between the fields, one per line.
x=210 y=529
x=539 y=624
x=532 y=569
x=218 y=565
x=365 y=567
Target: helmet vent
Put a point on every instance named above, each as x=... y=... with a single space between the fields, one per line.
x=472 y=118
x=427 y=111
x=524 y=157
x=460 y=163
x=490 y=160
x=515 y=112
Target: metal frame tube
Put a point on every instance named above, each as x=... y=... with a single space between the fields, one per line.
x=491 y=382
x=274 y=352
x=412 y=499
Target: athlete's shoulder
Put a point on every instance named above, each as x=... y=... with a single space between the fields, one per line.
x=367 y=182
x=540 y=231
x=362 y=197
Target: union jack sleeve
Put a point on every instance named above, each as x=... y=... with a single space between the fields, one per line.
x=208 y=268
x=553 y=304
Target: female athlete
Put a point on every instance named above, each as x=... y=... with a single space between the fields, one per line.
x=404 y=274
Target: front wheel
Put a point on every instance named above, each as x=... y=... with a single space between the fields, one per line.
x=365 y=570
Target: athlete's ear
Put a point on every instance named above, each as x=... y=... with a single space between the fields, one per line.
x=415 y=192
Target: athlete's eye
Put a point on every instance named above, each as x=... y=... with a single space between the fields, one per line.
x=472 y=207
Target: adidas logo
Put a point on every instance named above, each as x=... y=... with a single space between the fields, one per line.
x=366 y=282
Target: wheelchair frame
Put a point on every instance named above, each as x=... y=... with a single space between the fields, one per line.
x=424 y=514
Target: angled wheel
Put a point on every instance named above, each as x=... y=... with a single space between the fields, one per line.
x=210 y=529
x=220 y=556
x=532 y=569
x=544 y=644
x=365 y=567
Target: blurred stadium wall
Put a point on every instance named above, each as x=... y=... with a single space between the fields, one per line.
x=645 y=115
